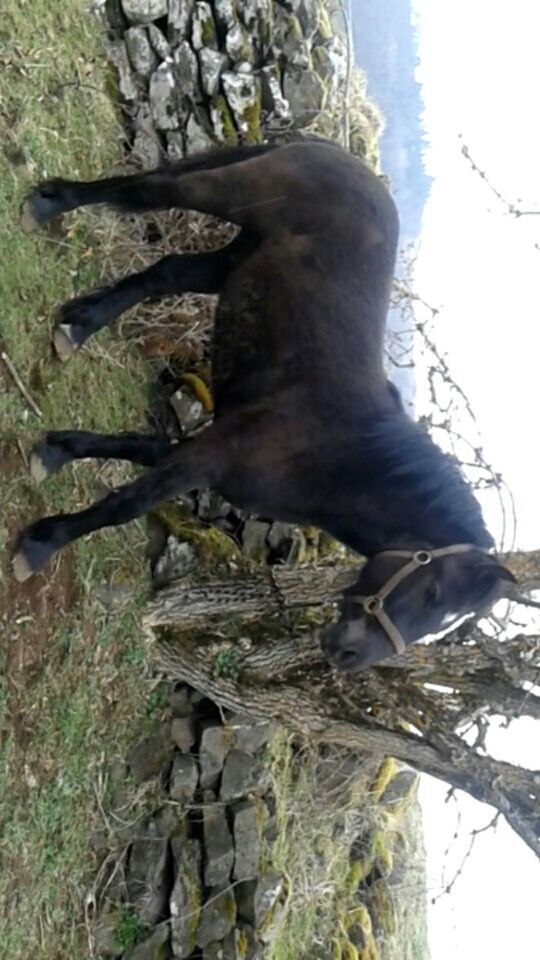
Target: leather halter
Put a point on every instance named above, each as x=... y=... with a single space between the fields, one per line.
x=374 y=604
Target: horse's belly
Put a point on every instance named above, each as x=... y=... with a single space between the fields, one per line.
x=253 y=352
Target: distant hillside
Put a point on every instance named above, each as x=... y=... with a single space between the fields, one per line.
x=386 y=49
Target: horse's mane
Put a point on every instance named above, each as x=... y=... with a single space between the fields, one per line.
x=399 y=452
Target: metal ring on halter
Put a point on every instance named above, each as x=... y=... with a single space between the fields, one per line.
x=372 y=604
x=423 y=557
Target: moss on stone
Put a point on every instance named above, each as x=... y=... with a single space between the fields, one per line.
x=223 y=122
x=251 y=121
x=359 y=915
x=324 y=24
x=383 y=907
x=242 y=944
x=386 y=772
x=194 y=902
x=293 y=26
x=213 y=546
x=358 y=872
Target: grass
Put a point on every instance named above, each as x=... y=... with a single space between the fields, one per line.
x=324 y=803
x=72 y=691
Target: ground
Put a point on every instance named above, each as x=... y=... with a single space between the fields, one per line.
x=72 y=678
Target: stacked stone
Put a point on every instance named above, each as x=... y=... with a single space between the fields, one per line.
x=194 y=876
x=193 y=73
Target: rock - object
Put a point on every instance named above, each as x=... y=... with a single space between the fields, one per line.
x=144 y=11
x=229 y=71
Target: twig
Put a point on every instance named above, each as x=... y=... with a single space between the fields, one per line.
x=512 y=208
x=18 y=382
x=474 y=834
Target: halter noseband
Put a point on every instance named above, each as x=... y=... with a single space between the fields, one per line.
x=374 y=604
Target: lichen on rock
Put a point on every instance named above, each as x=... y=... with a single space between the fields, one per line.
x=243 y=94
x=163 y=98
x=142 y=55
x=144 y=11
x=179 y=19
x=203 y=27
x=306 y=94
x=213 y=64
x=222 y=120
x=238 y=44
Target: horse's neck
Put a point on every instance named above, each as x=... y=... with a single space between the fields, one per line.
x=400 y=489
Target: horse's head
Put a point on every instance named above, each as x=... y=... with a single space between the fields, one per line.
x=405 y=595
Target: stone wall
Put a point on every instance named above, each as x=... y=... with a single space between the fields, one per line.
x=191 y=821
x=193 y=73
x=192 y=879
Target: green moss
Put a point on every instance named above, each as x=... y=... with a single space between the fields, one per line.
x=251 y=119
x=223 y=121
x=213 y=547
x=383 y=908
x=385 y=774
x=229 y=908
x=130 y=929
x=337 y=952
x=358 y=872
x=226 y=663
x=293 y=27
x=208 y=31
x=385 y=862
x=324 y=25
x=359 y=915
x=194 y=900
x=242 y=944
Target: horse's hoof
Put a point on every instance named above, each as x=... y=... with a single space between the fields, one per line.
x=30 y=556
x=45 y=202
x=46 y=457
x=64 y=344
x=21 y=568
x=38 y=470
x=29 y=222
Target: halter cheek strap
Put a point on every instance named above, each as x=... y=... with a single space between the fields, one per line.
x=373 y=605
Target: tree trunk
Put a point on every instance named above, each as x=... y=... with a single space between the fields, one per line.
x=271 y=591
x=414 y=707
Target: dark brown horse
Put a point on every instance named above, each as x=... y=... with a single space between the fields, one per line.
x=307 y=427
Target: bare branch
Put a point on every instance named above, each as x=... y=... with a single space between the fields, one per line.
x=512 y=208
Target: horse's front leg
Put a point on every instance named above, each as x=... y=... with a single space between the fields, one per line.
x=60 y=447
x=192 y=465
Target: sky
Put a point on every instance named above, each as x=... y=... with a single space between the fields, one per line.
x=480 y=70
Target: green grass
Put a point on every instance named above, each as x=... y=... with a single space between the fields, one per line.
x=77 y=697
x=130 y=930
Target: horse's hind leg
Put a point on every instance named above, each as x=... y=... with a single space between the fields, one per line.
x=192 y=465
x=250 y=187
x=60 y=447
x=78 y=319
x=136 y=192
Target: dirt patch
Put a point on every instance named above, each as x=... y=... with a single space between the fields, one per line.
x=30 y=611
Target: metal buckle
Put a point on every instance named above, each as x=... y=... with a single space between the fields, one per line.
x=372 y=604
x=422 y=558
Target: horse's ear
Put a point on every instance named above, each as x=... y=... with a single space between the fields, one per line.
x=507 y=583
x=503 y=573
x=490 y=574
